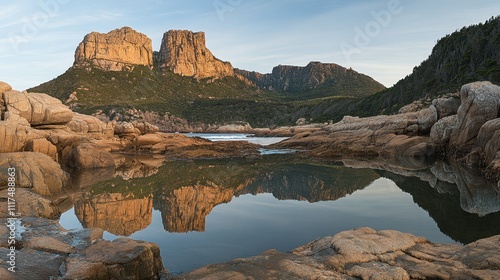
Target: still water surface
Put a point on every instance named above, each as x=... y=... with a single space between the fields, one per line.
x=208 y=211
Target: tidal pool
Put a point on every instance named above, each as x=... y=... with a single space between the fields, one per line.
x=208 y=211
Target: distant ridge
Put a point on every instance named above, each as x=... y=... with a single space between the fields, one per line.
x=317 y=79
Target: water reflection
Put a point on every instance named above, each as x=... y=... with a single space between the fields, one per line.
x=464 y=206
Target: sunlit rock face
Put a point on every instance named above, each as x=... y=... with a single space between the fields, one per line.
x=117 y=50
x=184 y=52
x=117 y=213
x=186 y=208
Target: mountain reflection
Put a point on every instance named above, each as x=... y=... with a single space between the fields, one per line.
x=119 y=214
x=185 y=192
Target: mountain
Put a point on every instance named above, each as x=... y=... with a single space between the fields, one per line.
x=185 y=53
x=314 y=80
x=117 y=50
x=118 y=74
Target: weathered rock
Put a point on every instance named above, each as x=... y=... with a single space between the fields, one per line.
x=126 y=128
x=446 y=106
x=43 y=146
x=30 y=204
x=488 y=139
x=89 y=156
x=367 y=254
x=31 y=264
x=480 y=102
x=372 y=136
x=426 y=118
x=441 y=131
x=185 y=53
x=117 y=50
x=15 y=132
x=87 y=124
x=4 y=87
x=34 y=170
x=145 y=127
x=51 y=252
x=37 y=108
x=234 y=128
x=122 y=258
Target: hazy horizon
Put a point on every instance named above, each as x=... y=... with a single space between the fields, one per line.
x=382 y=39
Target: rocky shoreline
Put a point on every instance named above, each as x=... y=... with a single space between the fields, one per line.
x=43 y=140
x=465 y=130
x=365 y=253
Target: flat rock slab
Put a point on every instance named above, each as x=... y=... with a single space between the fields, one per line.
x=366 y=254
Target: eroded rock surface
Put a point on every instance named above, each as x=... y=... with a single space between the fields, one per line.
x=185 y=53
x=37 y=108
x=116 y=50
x=480 y=102
x=365 y=253
x=51 y=252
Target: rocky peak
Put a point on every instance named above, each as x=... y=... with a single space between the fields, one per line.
x=185 y=53
x=117 y=50
x=312 y=76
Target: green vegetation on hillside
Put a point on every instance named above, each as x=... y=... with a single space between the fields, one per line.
x=209 y=101
x=468 y=55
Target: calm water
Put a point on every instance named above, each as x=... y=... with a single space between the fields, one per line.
x=208 y=211
x=238 y=137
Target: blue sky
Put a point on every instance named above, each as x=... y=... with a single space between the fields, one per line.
x=381 y=38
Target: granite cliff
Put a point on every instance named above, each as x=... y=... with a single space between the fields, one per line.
x=117 y=50
x=185 y=53
x=117 y=73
